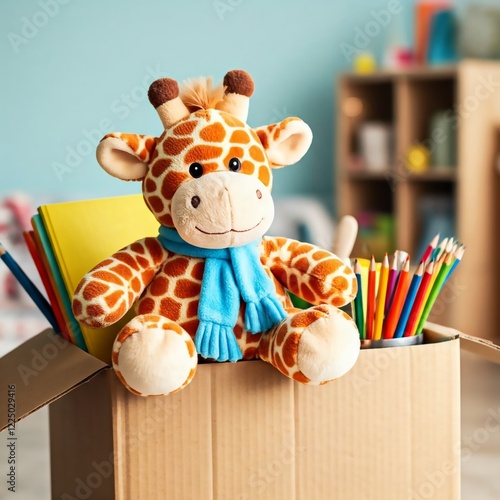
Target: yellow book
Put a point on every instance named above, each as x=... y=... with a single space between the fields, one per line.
x=84 y=233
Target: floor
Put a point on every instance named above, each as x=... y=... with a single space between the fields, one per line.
x=480 y=440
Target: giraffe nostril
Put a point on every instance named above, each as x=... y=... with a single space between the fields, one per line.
x=195 y=201
x=258 y=193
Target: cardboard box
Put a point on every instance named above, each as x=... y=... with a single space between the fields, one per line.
x=389 y=429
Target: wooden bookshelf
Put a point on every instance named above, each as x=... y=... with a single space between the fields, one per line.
x=407 y=101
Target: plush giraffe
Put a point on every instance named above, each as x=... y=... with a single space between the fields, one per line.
x=211 y=284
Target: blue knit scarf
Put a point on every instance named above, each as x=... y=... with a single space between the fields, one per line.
x=231 y=274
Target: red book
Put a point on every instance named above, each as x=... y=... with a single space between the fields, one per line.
x=30 y=241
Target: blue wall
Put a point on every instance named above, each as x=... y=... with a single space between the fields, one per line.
x=73 y=70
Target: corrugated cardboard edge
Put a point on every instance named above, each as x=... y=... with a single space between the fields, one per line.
x=481 y=347
x=43 y=369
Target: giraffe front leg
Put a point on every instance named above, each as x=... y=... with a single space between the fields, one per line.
x=154 y=356
x=312 y=346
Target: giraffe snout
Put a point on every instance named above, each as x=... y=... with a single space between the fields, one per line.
x=221 y=210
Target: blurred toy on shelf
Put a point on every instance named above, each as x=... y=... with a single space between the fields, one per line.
x=479 y=31
x=375 y=236
x=364 y=63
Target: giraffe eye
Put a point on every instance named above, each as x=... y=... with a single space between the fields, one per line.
x=234 y=165
x=195 y=170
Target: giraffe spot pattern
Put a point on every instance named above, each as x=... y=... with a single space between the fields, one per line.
x=142 y=261
x=172 y=146
x=210 y=166
x=186 y=288
x=127 y=259
x=202 y=152
x=156 y=203
x=108 y=277
x=94 y=289
x=122 y=270
x=192 y=309
x=159 y=167
x=306 y=293
x=290 y=349
x=155 y=250
x=197 y=271
x=166 y=220
x=239 y=137
x=176 y=267
x=306 y=318
x=136 y=247
x=77 y=307
x=114 y=316
x=247 y=167
x=185 y=127
x=170 y=308
x=114 y=297
x=340 y=283
x=146 y=306
x=171 y=183
x=213 y=133
x=264 y=175
x=149 y=186
x=232 y=121
x=159 y=286
x=234 y=152
x=300 y=377
x=257 y=154
x=132 y=140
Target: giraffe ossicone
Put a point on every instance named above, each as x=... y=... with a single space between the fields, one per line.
x=212 y=284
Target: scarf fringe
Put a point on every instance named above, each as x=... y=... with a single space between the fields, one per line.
x=217 y=341
x=263 y=315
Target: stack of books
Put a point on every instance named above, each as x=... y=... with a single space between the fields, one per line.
x=67 y=240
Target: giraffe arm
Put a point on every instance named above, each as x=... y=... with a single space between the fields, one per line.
x=108 y=291
x=313 y=274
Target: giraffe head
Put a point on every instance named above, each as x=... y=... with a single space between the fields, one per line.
x=209 y=174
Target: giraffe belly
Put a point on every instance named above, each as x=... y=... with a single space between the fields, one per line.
x=175 y=294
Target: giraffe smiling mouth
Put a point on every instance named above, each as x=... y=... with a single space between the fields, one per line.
x=230 y=230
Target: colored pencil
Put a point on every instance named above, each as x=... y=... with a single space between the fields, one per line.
x=397 y=301
x=458 y=257
x=408 y=303
x=437 y=266
x=29 y=238
x=402 y=258
x=391 y=283
x=439 y=249
x=419 y=303
x=35 y=294
x=430 y=248
x=370 y=301
x=436 y=288
x=358 y=302
x=381 y=294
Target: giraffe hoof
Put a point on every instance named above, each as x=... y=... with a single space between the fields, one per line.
x=154 y=356
x=328 y=347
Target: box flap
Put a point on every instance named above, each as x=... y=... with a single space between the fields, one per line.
x=482 y=347
x=41 y=370
x=439 y=333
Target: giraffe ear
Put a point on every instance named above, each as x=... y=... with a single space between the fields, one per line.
x=126 y=156
x=285 y=142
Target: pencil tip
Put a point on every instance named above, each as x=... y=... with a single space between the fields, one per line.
x=2 y=249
